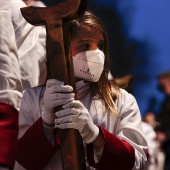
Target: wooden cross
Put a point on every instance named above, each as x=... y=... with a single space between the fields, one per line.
x=59 y=60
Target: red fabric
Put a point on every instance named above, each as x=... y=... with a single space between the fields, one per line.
x=8 y=134
x=147 y=154
x=33 y=149
x=117 y=154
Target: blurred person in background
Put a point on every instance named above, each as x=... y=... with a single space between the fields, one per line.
x=150 y=118
x=155 y=140
x=163 y=116
x=22 y=61
x=150 y=136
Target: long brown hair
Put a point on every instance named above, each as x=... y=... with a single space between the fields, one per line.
x=104 y=88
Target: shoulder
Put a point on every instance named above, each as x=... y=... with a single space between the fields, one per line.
x=126 y=102
x=124 y=96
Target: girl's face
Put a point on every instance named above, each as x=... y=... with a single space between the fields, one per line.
x=87 y=39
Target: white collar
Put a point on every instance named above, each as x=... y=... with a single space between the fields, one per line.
x=82 y=88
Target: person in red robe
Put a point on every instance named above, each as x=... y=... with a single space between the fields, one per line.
x=10 y=88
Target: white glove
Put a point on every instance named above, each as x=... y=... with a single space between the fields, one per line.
x=75 y=115
x=56 y=94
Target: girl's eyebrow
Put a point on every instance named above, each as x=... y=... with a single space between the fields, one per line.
x=84 y=40
x=101 y=41
x=88 y=40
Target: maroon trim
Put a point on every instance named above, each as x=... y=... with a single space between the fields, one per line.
x=117 y=154
x=8 y=134
x=34 y=150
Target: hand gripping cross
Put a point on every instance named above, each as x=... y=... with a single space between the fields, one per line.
x=60 y=65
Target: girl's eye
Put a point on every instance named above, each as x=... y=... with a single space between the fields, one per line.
x=101 y=46
x=85 y=47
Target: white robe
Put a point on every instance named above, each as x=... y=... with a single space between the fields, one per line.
x=10 y=79
x=31 y=47
x=126 y=126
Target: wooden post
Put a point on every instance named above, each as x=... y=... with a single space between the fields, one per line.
x=59 y=60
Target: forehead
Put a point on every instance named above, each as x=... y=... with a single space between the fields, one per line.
x=88 y=33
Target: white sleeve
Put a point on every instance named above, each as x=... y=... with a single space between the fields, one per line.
x=31 y=45
x=26 y=115
x=30 y=112
x=130 y=128
x=10 y=80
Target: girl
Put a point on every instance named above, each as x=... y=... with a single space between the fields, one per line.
x=106 y=116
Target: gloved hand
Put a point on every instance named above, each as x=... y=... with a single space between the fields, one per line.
x=56 y=94
x=75 y=115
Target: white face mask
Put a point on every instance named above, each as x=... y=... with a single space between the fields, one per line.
x=88 y=65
